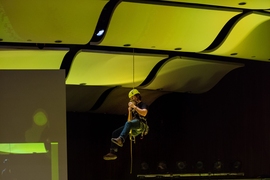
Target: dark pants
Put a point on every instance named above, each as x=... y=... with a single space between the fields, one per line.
x=123 y=132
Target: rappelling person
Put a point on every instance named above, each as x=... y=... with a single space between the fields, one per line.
x=136 y=124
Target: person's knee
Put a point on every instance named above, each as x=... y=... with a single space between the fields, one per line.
x=128 y=123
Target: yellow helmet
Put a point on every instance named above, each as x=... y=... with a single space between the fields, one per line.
x=133 y=92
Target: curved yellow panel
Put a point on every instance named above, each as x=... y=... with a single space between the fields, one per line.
x=165 y=27
x=188 y=75
x=31 y=59
x=70 y=22
x=111 y=69
x=247 y=4
x=249 y=39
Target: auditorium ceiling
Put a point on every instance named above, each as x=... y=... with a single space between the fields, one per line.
x=108 y=47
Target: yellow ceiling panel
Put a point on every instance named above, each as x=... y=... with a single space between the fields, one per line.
x=247 y=4
x=164 y=27
x=188 y=75
x=111 y=69
x=31 y=59
x=249 y=39
x=68 y=22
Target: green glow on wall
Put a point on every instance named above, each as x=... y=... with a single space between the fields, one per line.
x=40 y=118
x=22 y=148
x=40 y=123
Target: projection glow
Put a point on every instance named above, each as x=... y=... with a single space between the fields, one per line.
x=22 y=148
x=40 y=119
x=33 y=125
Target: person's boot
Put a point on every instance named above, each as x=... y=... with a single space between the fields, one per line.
x=110 y=156
x=118 y=141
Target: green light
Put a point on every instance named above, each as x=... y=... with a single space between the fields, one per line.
x=22 y=148
x=40 y=118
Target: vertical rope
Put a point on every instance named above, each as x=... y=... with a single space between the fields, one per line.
x=133 y=70
x=130 y=133
x=131 y=159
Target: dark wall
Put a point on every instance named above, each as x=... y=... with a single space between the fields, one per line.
x=228 y=123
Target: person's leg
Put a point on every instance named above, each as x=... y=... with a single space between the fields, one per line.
x=113 y=148
x=133 y=124
x=116 y=133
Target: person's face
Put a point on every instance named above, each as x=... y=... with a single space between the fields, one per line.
x=134 y=98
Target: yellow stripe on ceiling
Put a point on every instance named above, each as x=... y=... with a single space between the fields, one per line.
x=111 y=69
x=31 y=59
x=164 y=27
x=189 y=75
x=247 y=4
x=71 y=22
x=250 y=39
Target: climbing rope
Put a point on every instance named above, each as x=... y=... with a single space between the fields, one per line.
x=131 y=138
x=133 y=70
x=131 y=159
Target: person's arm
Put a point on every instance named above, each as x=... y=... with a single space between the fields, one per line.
x=142 y=112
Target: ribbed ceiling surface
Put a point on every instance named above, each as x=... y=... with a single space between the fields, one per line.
x=31 y=59
x=202 y=75
x=249 y=39
x=110 y=47
x=103 y=69
x=49 y=21
x=175 y=27
x=248 y=4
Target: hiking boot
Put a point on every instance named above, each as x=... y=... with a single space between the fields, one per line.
x=118 y=141
x=110 y=156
